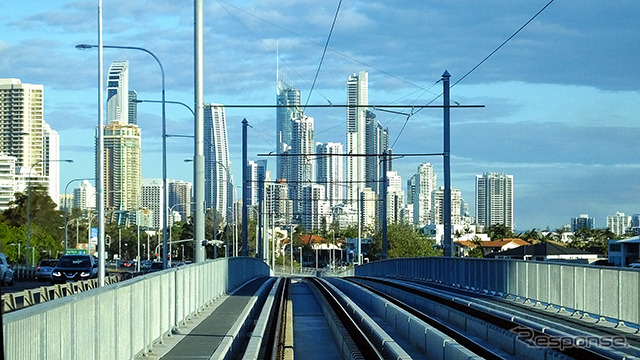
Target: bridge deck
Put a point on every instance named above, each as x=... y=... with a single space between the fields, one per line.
x=203 y=339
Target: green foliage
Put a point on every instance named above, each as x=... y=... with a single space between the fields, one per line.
x=404 y=241
x=500 y=231
x=476 y=253
x=585 y=238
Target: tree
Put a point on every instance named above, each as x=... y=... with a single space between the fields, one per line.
x=43 y=212
x=404 y=241
x=500 y=231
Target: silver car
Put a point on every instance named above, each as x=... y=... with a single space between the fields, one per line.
x=43 y=272
x=6 y=274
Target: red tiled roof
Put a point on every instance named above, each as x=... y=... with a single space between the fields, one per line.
x=311 y=239
x=493 y=243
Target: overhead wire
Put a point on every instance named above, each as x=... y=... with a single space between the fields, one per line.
x=481 y=62
x=324 y=51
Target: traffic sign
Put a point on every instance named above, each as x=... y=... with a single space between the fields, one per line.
x=76 y=252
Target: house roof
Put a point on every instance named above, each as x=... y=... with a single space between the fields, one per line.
x=309 y=239
x=541 y=249
x=493 y=243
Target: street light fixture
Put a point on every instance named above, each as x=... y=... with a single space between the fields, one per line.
x=66 y=211
x=29 y=201
x=164 y=139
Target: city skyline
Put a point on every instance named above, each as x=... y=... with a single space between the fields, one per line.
x=560 y=114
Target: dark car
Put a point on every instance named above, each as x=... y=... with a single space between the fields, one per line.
x=45 y=267
x=75 y=267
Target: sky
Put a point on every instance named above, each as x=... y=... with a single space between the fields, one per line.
x=561 y=98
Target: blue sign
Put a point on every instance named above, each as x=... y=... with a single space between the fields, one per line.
x=94 y=236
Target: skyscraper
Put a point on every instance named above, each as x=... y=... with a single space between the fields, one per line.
x=301 y=170
x=21 y=125
x=118 y=92
x=288 y=98
x=494 y=199
x=152 y=199
x=425 y=184
x=133 y=107
x=376 y=142
x=357 y=96
x=330 y=171
x=180 y=198
x=122 y=144
x=84 y=196
x=316 y=213
x=216 y=161
x=27 y=139
x=437 y=201
x=122 y=157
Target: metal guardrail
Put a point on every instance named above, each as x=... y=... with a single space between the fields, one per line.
x=23 y=273
x=125 y=319
x=604 y=292
x=21 y=299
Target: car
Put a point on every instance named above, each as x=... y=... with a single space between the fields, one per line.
x=156 y=266
x=75 y=267
x=45 y=267
x=6 y=273
x=635 y=265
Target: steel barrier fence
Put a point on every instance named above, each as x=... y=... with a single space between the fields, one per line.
x=125 y=319
x=605 y=292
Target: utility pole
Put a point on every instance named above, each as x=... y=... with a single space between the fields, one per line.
x=446 y=206
x=198 y=157
x=245 y=190
x=385 y=188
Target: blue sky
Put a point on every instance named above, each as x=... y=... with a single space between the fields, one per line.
x=562 y=98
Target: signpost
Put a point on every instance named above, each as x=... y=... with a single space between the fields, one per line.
x=76 y=252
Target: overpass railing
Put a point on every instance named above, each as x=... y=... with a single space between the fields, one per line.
x=123 y=320
x=605 y=292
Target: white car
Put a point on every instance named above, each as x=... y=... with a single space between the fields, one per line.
x=6 y=274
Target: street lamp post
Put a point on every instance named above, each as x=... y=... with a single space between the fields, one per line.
x=300 y=248
x=164 y=139
x=66 y=212
x=29 y=201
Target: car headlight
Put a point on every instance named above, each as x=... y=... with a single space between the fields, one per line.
x=85 y=274
x=55 y=273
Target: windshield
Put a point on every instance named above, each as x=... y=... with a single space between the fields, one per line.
x=50 y=263
x=74 y=261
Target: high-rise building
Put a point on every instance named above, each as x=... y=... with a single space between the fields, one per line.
x=7 y=180
x=425 y=184
x=494 y=199
x=122 y=166
x=133 y=107
x=582 y=221
x=25 y=137
x=277 y=203
x=301 y=171
x=376 y=142
x=316 y=214
x=437 y=199
x=330 y=171
x=152 y=199
x=395 y=197
x=51 y=151
x=618 y=223
x=179 y=198
x=21 y=124
x=118 y=92
x=253 y=183
x=122 y=144
x=217 y=189
x=288 y=100
x=368 y=209
x=84 y=196
x=357 y=97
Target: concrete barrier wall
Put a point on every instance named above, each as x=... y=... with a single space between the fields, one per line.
x=602 y=291
x=126 y=319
